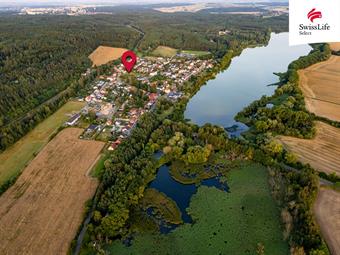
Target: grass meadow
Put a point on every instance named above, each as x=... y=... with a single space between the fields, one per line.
x=16 y=157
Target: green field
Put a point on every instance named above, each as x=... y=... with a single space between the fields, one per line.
x=163 y=51
x=196 y=52
x=98 y=168
x=15 y=158
x=225 y=223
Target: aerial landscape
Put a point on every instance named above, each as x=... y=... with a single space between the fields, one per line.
x=166 y=127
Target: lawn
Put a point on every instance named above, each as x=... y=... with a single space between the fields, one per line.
x=15 y=158
x=225 y=223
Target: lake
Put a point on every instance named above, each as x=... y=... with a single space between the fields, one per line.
x=246 y=80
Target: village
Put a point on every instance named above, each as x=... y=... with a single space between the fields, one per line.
x=117 y=101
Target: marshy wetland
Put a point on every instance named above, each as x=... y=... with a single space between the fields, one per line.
x=249 y=217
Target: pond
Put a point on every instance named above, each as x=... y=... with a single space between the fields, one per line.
x=248 y=77
x=181 y=193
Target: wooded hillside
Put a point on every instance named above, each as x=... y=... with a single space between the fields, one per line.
x=42 y=57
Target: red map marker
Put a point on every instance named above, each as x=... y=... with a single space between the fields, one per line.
x=129 y=60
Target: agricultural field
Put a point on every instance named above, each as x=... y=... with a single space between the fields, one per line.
x=41 y=212
x=104 y=54
x=322 y=152
x=335 y=46
x=326 y=209
x=320 y=84
x=225 y=223
x=163 y=51
x=15 y=158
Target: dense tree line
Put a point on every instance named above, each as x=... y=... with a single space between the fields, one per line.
x=296 y=192
x=124 y=179
x=288 y=115
x=195 y=31
x=41 y=59
x=295 y=185
x=132 y=166
x=320 y=52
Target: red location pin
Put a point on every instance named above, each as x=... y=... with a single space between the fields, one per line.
x=129 y=60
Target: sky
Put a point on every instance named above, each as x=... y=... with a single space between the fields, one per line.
x=75 y=2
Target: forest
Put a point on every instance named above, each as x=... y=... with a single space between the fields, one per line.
x=42 y=57
x=41 y=61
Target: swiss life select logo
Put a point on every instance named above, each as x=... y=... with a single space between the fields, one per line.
x=307 y=29
x=313 y=14
x=314 y=21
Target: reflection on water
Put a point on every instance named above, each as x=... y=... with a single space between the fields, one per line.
x=246 y=80
x=181 y=193
x=178 y=192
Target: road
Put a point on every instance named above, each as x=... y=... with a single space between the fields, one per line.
x=139 y=31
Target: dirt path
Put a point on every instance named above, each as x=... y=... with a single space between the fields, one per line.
x=141 y=37
x=42 y=211
x=327 y=212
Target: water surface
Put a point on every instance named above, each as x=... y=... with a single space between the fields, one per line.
x=181 y=193
x=246 y=80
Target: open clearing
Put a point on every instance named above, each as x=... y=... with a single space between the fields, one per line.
x=322 y=152
x=104 y=54
x=225 y=223
x=163 y=51
x=41 y=212
x=320 y=84
x=327 y=211
x=196 y=52
x=183 y=8
x=168 y=52
x=15 y=158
